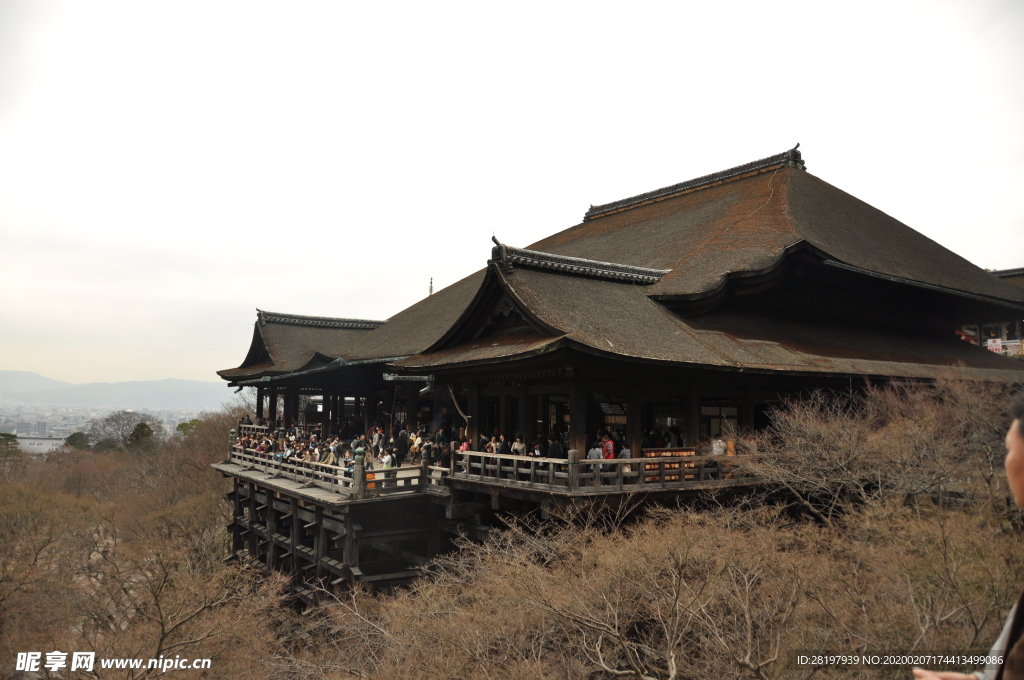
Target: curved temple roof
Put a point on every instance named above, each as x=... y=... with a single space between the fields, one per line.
x=746 y=219
x=600 y=285
x=282 y=343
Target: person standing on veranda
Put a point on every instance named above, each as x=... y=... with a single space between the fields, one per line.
x=1010 y=643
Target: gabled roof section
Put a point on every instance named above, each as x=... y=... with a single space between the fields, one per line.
x=282 y=343
x=508 y=257
x=419 y=326
x=494 y=312
x=746 y=220
x=640 y=329
x=316 y=321
x=791 y=158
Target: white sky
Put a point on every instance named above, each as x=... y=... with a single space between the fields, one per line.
x=166 y=168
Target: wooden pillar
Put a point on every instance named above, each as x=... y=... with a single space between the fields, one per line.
x=574 y=469
x=254 y=540
x=367 y=420
x=236 y=503
x=291 y=401
x=578 y=404
x=747 y=420
x=373 y=408
x=319 y=542
x=296 y=537
x=259 y=402
x=413 y=406
x=271 y=515
x=503 y=415
x=359 y=479
x=272 y=396
x=527 y=418
x=474 y=416
x=327 y=408
x=350 y=554
x=634 y=423
x=542 y=422
x=693 y=417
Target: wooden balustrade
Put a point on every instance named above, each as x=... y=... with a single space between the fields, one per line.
x=252 y=430
x=594 y=476
x=572 y=475
x=330 y=477
x=333 y=477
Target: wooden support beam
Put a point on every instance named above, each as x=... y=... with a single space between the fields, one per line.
x=473 y=412
x=271 y=516
x=462 y=510
x=634 y=423
x=350 y=554
x=259 y=402
x=236 y=505
x=254 y=545
x=296 y=535
x=320 y=543
x=693 y=417
x=579 y=401
x=527 y=416
x=747 y=415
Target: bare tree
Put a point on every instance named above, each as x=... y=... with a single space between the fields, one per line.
x=119 y=426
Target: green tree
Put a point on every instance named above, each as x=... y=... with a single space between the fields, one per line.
x=77 y=440
x=120 y=425
x=189 y=427
x=141 y=436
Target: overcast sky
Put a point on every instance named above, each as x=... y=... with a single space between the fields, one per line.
x=167 y=168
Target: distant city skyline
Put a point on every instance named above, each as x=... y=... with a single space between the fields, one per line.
x=167 y=169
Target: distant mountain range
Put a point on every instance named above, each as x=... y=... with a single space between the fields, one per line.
x=28 y=387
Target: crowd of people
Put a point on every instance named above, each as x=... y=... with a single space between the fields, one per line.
x=305 y=445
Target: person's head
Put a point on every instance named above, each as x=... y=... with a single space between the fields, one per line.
x=1015 y=450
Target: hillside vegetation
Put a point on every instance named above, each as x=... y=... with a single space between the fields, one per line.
x=887 y=527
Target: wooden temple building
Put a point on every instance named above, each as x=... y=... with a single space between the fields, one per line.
x=695 y=307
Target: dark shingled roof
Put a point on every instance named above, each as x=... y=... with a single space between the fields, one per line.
x=288 y=342
x=640 y=328
x=747 y=222
x=599 y=286
x=418 y=327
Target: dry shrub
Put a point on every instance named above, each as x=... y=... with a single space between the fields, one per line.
x=910 y=546
x=941 y=440
x=887 y=529
x=122 y=553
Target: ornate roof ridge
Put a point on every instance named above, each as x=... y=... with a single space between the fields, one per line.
x=791 y=158
x=265 y=317
x=507 y=257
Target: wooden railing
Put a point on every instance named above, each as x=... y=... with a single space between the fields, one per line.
x=355 y=482
x=573 y=475
x=559 y=475
x=252 y=430
x=329 y=477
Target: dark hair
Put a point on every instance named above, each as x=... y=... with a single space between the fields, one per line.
x=1017 y=410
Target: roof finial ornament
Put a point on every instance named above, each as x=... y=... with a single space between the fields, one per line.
x=794 y=159
x=499 y=255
